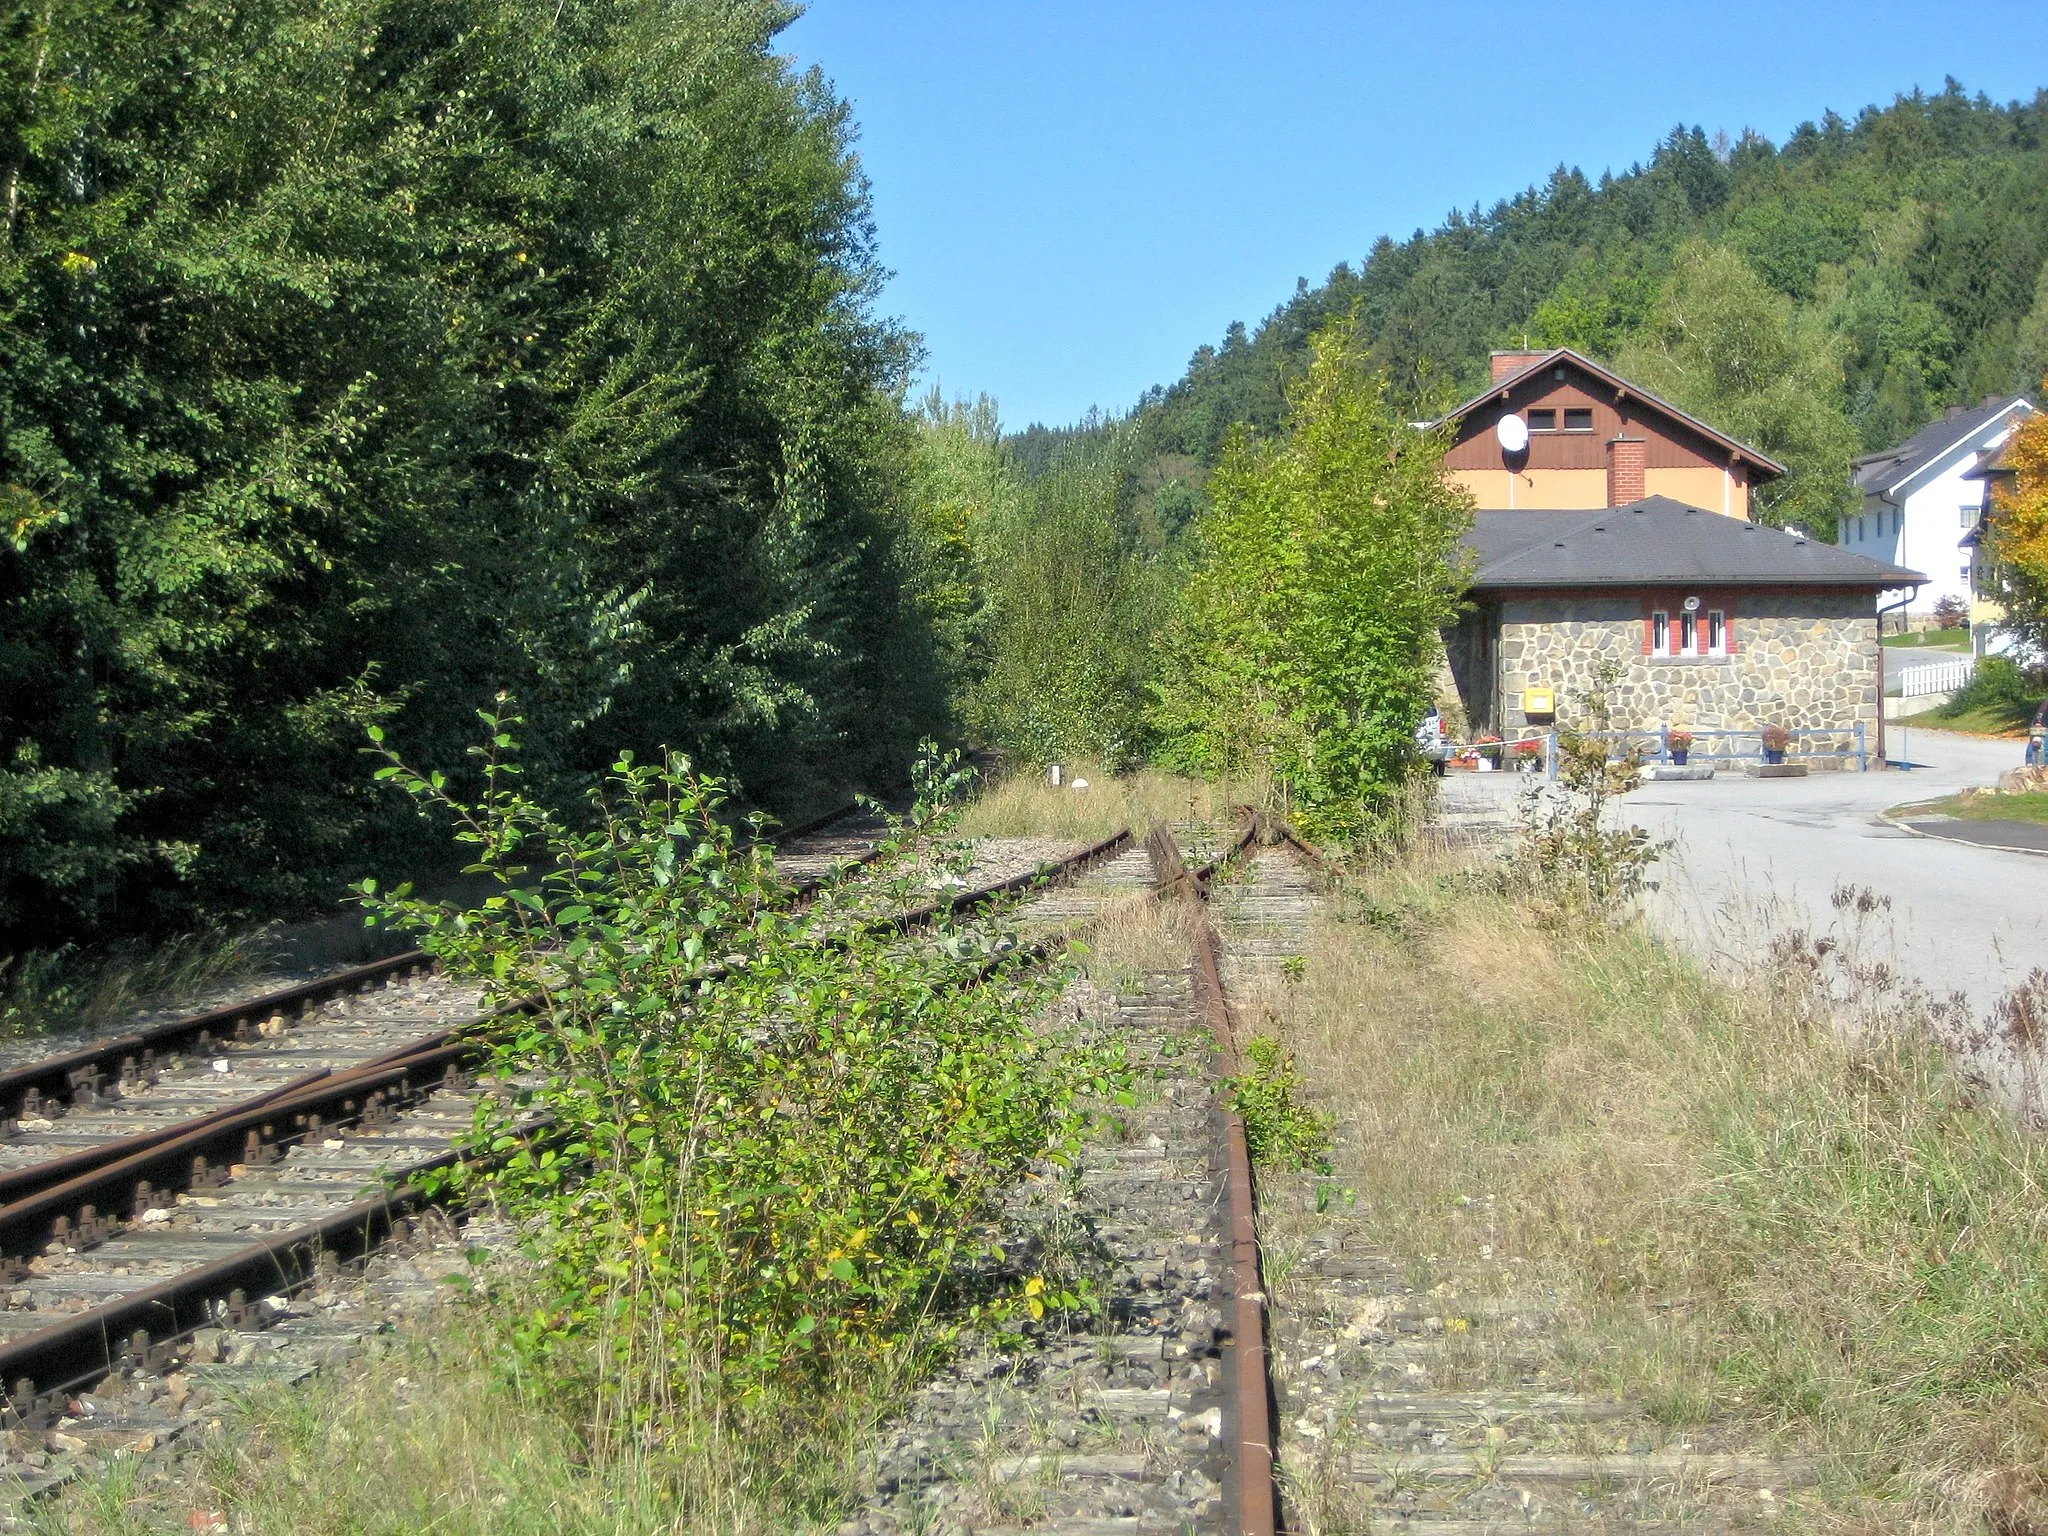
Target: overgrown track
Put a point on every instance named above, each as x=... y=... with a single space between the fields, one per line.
x=1448 y=1405
x=117 y=1262
x=60 y=1117
x=1150 y=1415
x=344 y=1044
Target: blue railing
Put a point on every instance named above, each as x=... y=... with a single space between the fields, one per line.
x=1717 y=747
x=1710 y=748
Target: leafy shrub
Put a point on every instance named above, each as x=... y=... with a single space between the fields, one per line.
x=1997 y=684
x=1279 y=1130
x=1951 y=612
x=1073 y=604
x=1568 y=856
x=776 y=1137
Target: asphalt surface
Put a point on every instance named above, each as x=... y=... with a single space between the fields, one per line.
x=2031 y=835
x=1760 y=856
x=1753 y=858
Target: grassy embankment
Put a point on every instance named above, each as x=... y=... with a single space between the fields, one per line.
x=45 y=990
x=1982 y=805
x=1745 y=1215
x=2007 y=721
x=1999 y=700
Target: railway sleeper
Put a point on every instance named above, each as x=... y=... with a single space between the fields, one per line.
x=168 y=1338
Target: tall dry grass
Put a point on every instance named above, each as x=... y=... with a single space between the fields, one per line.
x=1025 y=805
x=1743 y=1213
x=447 y=1435
x=46 y=990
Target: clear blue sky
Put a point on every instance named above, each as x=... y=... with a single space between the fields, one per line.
x=1074 y=196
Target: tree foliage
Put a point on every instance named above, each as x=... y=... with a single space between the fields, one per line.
x=1308 y=639
x=2019 y=532
x=361 y=357
x=1075 y=598
x=1910 y=242
x=1720 y=343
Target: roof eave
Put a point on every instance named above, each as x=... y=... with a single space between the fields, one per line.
x=1958 y=441
x=1901 y=578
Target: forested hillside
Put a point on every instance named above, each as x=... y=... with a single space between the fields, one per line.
x=361 y=358
x=1820 y=297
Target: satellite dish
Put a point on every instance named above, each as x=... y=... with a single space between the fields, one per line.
x=1513 y=433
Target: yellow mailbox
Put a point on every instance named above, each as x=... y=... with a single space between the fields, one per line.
x=1539 y=701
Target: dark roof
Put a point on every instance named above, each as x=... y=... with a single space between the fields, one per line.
x=1660 y=542
x=1993 y=463
x=1771 y=467
x=1887 y=471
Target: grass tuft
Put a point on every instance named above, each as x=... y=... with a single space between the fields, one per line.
x=1025 y=805
x=70 y=988
x=1745 y=1214
x=450 y=1436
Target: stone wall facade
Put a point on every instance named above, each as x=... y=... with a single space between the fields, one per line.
x=1805 y=659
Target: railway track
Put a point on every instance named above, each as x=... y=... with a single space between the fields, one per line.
x=155 y=1209
x=178 y=1270
x=1256 y=1365
x=1442 y=1399
x=66 y=1114
x=1149 y=1415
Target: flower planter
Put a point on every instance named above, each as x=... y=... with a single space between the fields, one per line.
x=1679 y=755
x=1774 y=754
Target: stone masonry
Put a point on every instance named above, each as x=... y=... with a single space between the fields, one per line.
x=1802 y=659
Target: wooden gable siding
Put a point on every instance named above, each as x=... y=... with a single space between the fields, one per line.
x=1668 y=442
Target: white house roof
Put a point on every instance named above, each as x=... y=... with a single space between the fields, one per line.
x=1882 y=474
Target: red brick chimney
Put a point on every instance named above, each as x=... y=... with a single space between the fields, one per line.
x=1505 y=363
x=1625 y=456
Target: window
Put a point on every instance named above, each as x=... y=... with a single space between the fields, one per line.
x=1577 y=419
x=1543 y=421
x=1969 y=515
x=1698 y=633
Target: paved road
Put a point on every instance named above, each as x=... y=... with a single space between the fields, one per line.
x=1993 y=834
x=1756 y=856
x=1897 y=663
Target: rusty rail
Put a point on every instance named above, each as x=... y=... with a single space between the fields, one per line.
x=86 y=1075
x=82 y=1200
x=1256 y=1494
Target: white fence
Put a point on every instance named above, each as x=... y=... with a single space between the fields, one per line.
x=1939 y=677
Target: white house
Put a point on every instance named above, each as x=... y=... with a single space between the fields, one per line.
x=1920 y=500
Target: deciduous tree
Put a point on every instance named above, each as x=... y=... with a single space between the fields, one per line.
x=1308 y=635
x=2019 y=532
